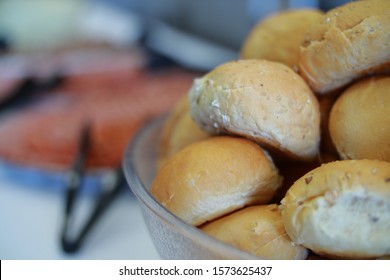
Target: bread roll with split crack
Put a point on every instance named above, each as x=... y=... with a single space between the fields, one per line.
x=178 y=131
x=264 y=101
x=214 y=177
x=279 y=36
x=350 y=42
x=359 y=122
x=258 y=230
x=341 y=209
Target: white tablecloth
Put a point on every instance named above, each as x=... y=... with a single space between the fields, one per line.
x=31 y=217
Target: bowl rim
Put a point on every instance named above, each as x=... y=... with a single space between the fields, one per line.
x=143 y=195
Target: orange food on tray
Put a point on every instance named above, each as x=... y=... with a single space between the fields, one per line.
x=46 y=133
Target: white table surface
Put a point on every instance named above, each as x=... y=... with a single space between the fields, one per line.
x=31 y=215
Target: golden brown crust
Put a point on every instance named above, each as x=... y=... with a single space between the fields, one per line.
x=258 y=230
x=178 y=131
x=341 y=209
x=261 y=100
x=359 y=122
x=351 y=41
x=213 y=177
x=278 y=37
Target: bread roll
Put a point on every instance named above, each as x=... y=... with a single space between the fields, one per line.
x=178 y=131
x=214 y=177
x=261 y=100
x=258 y=230
x=359 y=122
x=351 y=41
x=341 y=209
x=278 y=37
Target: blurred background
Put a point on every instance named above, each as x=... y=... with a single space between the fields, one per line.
x=78 y=79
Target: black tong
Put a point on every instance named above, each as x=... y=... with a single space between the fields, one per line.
x=110 y=189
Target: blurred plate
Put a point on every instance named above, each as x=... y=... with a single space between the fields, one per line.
x=51 y=181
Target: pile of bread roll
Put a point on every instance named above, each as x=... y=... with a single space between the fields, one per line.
x=285 y=153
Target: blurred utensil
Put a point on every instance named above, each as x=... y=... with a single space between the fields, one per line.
x=186 y=49
x=29 y=88
x=71 y=242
